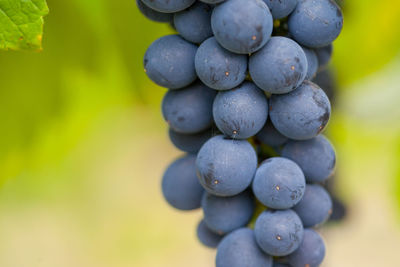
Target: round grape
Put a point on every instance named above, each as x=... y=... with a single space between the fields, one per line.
x=242 y=112
x=194 y=23
x=311 y=251
x=279 y=67
x=218 y=68
x=315 y=207
x=180 y=185
x=168 y=6
x=169 y=62
x=242 y=26
x=279 y=233
x=152 y=14
x=226 y=167
x=189 y=110
x=316 y=23
x=225 y=214
x=190 y=143
x=279 y=183
x=301 y=114
x=239 y=249
x=281 y=8
x=316 y=157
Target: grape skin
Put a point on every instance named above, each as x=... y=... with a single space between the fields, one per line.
x=152 y=14
x=234 y=81
x=311 y=251
x=301 y=114
x=169 y=62
x=189 y=110
x=324 y=55
x=316 y=23
x=226 y=214
x=279 y=183
x=220 y=165
x=315 y=207
x=279 y=233
x=180 y=186
x=242 y=112
x=207 y=237
x=194 y=23
x=239 y=249
x=279 y=67
x=242 y=26
x=218 y=68
x=190 y=143
x=316 y=157
x=168 y=6
x=281 y=8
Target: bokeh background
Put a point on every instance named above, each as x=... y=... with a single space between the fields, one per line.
x=83 y=145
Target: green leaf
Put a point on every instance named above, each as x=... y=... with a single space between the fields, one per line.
x=21 y=24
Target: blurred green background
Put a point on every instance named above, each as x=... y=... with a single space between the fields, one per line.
x=83 y=144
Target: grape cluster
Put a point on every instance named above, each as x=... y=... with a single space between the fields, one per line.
x=242 y=105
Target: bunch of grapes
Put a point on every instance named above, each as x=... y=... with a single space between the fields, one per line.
x=241 y=104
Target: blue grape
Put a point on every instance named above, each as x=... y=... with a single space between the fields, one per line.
x=239 y=249
x=279 y=233
x=168 y=6
x=226 y=167
x=169 y=62
x=301 y=114
x=242 y=26
x=315 y=207
x=324 y=55
x=242 y=112
x=225 y=214
x=212 y=2
x=281 y=8
x=217 y=67
x=189 y=110
x=316 y=157
x=279 y=183
x=278 y=264
x=279 y=67
x=311 y=252
x=316 y=23
x=194 y=23
x=190 y=143
x=312 y=63
x=270 y=136
x=152 y=14
x=207 y=237
x=180 y=185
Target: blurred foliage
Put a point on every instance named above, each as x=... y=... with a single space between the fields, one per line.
x=91 y=63
x=369 y=40
x=21 y=24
